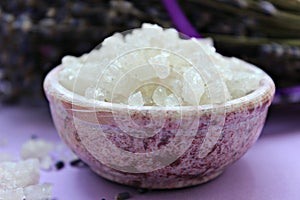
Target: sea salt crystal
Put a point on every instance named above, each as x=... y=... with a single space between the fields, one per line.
x=36 y=148
x=62 y=153
x=174 y=85
x=136 y=99
x=46 y=163
x=38 y=192
x=12 y=194
x=243 y=83
x=172 y=100
x=159 y=96
x=15 y=175
x=143 y=73
x=193 y=86
x=94 y=93
x=160 y=64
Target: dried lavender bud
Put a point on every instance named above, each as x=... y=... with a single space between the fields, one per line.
x=33 y=137
x=266 y=49
x=78 y=163
x=277 y=49
x=237 y=3
x=267 y=7
x=142 y=190
x=123 y=196
x=36 y=34
x=296 y=52
x=59 y=165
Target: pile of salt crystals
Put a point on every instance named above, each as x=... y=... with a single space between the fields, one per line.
x=46 y=152
x=19 y=181
x=154 y=66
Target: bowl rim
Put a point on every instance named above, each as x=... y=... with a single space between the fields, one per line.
x=263 y=94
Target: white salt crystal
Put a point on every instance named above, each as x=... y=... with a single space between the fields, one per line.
x=36 y=148
x=70 y=60
x=159 y=96
x=38 y=192
x=14 y=175
x=136 y=99
x=32 y=192
x=94 y=93
x=193 y=86
x=143 y=73
x=160 y=64
x=175 y=86
x=172 y=100
x=46 y=163
x=242 y=84
x=152 y=26
x=116 y=39
x=12 y=194
x=216 y=93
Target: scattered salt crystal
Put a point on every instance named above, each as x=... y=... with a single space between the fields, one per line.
x=12 y=194
x=46 y=163
x=38 y=192
x=136 y=99
x=159 y=96
x=14 y=175
x=62 y=152
x=36 y=148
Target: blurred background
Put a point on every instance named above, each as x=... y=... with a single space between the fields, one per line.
x=35 y=35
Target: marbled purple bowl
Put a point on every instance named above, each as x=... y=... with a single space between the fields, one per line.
x=93 y=130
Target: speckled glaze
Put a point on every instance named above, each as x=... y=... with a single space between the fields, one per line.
x=77 y=126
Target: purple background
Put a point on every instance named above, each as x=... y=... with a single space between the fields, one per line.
x=269 y=171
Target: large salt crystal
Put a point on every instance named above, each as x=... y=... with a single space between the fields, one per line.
x=243 y=83
x=12 y=194
x=36 y=148
x=15 y=175
x=33 y=192
x=94 y=93
x=38 y=192
x=172 y=100
x=159 y=96
x=136 y=99
x=193 y=86
x=142 y=73
x=175 y=86
x=46 y=162
x=160 y=64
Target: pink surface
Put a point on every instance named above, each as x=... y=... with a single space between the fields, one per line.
x=270 y=170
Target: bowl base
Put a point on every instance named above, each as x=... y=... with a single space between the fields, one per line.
x=179 y=182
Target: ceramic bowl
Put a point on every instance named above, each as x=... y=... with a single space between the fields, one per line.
x=183 y=146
